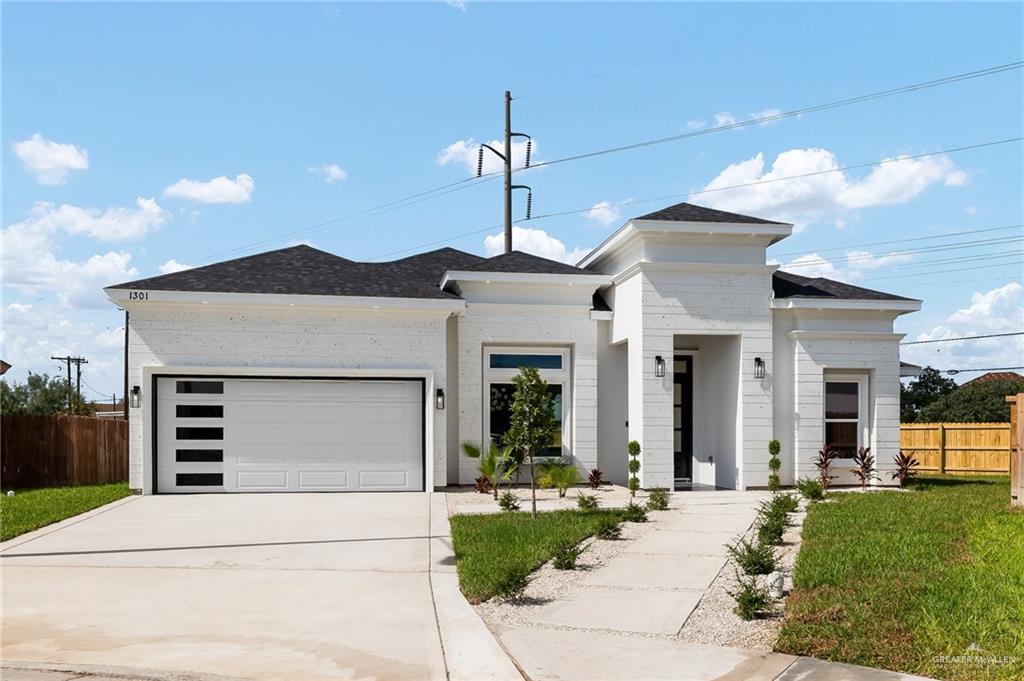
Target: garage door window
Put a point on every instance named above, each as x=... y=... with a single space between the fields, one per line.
x=200 y=387
x=501 y=365
x=198 y=455
x=199 y=411
x=200 y=433
x=199 y=479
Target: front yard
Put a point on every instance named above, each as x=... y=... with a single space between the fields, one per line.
x=929 y=581
x=31 y=509
x=491 y=549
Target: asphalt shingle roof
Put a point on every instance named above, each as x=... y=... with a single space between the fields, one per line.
x=688 y=212
x=789 y=285
x=517 y=261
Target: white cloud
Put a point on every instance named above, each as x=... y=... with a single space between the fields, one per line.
x=218 y=190
x=50 y=161
x=998 y=310
x=724 y=118
x=535 y=241
x=464 y=152
x=604 y=212
x=765 y=114
x=848 y=267
x=457 y=4
x=331 y=173
x=116 y=223
x=695 y=124
x=172 y=266
x=809 y=198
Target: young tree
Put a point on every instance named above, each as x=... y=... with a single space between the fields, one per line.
x=533 y=422
x=928 y=387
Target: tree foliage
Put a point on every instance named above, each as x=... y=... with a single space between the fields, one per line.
x=533 y=421
x=40 y=394
x=982 y=402
x=928 y=387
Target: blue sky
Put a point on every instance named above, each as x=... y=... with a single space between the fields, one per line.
x=144 y=136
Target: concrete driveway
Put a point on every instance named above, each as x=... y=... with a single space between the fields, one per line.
x=248 y=585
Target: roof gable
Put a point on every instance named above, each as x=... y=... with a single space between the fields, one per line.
x=688 y=212
x=524 y=263
x=789 y=285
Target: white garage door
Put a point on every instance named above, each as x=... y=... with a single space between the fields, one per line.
x=288 y=435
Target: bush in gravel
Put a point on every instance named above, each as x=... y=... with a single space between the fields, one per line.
x=512 y=585
x=508 y=502
x=633 y=449
x=594 y=478
x=769 y=531
x=754 y=558
x=609 y=529
x=587 y=502
x=786 y=502
x=810 y=489
x=658 y=499
x=634 y=513
x=751 y=598
x=774 y=447
x=770 y=512
x=566 y=555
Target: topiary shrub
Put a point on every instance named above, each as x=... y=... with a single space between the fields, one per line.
x=774 y=447
x=633 y=449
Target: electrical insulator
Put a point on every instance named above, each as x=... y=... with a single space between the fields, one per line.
x=529 y=197
x=529 y=148
x=480 y=163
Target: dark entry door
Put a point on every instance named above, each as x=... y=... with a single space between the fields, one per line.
x=682 y=417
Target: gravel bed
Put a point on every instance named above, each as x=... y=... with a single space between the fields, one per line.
x=713 y=621
x=465 y=499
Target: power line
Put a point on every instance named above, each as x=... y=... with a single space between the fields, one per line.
x=737 y=186
x=469 y=182
x=964 y=338
x=790 y=114
x=954 y=372
x=899 y=241
x=958 y=269
x=955 y=246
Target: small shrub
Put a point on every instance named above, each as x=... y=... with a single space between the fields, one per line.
x=772 y=512
x=786 y=502
x=482 y=484
x=559 y=475
x=633 y=449
x=594 y=479
x=752 y=558
x=609 y=528
x=658 y=499
x=774 y=447
x=823 y=462
x=513 y=584
x=769 y=531
x=566 y=555
x=905 y=465
x=810 y=489
x=751 y=598
x=864 y=466
x=587 y=502
x=508 y=502
x=634 y=513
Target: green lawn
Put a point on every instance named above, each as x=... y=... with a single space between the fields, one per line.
x=31 y=509
x=490 y=547
x=907 y=580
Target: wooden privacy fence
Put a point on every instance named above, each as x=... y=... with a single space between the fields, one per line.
x=53 y=451
x=1016 y=449
x=958 y=448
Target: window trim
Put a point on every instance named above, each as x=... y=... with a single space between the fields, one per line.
x=562 y=377
x=863 y=421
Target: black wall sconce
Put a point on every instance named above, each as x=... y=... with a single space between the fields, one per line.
x=659 y=366
x=439 y=399
x=136 y=397
x=758 y=367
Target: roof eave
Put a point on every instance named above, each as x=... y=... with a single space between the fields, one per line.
x=901 y=306
x=594 y=280
x=124 y=298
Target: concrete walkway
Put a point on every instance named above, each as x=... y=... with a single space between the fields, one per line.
x=622 y=623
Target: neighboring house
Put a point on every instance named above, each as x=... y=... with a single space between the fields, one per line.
x=996 y=376
x=908 y=370
x=4 y=366
x=107 y=411
x=300 y=370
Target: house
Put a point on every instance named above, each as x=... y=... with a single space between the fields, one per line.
x=996 y=376
x=298 y=370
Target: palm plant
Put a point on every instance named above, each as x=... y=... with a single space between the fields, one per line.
x=496 y=464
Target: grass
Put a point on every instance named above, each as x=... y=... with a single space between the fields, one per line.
x=491 y=547
x=31 y=509
x=929 y=581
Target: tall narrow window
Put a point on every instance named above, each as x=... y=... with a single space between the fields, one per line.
x=844 y=415
x=501 y=364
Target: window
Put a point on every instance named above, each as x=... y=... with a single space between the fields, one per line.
x=501 y=365
x=199 y=411
x=510 y=361
x=846 y=413
x=199 y=479
x=198 y=455
x=201 y=387
x=200 y=433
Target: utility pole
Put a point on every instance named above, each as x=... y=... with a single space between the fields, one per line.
x=506 y=158
x=78 y=362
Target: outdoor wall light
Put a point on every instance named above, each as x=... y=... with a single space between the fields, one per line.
x=758 y=367
x=439 y=399
x=659 y=366
x=136 y=397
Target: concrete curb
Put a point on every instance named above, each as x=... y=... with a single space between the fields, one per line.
x=471 y=651
x=49 y=670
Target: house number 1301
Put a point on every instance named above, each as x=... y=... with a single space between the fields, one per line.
x=138 y=295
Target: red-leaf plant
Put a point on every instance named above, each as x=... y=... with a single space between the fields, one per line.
x=823 y=462
x=594 y=479
x=905 y=465
x=864 y=461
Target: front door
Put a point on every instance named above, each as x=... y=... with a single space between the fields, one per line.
x=682 y=418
